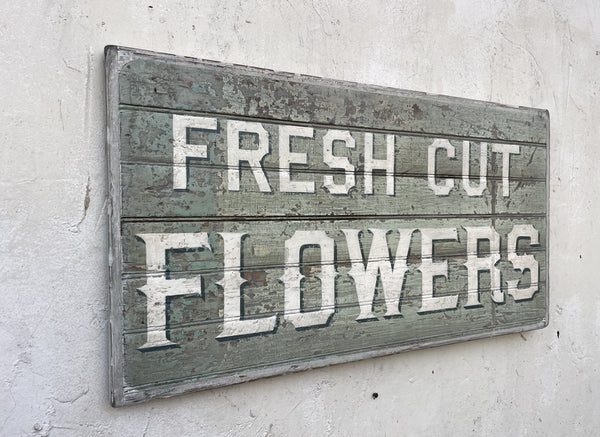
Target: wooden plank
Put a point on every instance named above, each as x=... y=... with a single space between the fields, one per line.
x=147 y=173
x=206 y=357
x=223 y=270
x=198 y=86
x=155 y=197
x=200 y=357
x=147 y=138
x=254 y=254
x=263 y=296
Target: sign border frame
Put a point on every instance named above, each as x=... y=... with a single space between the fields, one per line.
x=120 y=394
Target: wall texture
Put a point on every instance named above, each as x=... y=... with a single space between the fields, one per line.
x=53 y=225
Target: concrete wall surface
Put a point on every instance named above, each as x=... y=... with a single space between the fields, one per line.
x=53 y=213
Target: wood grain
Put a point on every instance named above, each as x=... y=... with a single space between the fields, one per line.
x=147 y=90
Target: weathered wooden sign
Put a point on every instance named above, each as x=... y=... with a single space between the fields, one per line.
x=264 y=223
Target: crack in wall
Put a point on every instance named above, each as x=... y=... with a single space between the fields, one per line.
x=86 y=204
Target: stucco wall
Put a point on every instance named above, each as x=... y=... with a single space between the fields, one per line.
x=53 y=225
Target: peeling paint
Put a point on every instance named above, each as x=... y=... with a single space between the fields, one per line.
x=54 y=282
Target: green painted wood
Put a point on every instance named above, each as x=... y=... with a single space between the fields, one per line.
x=147 y=173
x=235 y=90
x=207 y=196
x=201 y=356
x=276 y=232
x=147 y=90
x=147 y=137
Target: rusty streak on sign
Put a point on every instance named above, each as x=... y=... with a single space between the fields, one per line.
x=264 y=223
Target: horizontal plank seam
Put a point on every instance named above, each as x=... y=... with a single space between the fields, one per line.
x=359 y=170
x=331 y=217
x=404 y=299
x=342 y=262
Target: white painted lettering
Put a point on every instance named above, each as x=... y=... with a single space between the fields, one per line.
x=386 y=164
x=365 y=278
x=476 y=264
x=253 y=157
x=232 y=281
x=506 y=150
x=523 y=262
x=182 y=150
x=474 y=191
x=158 y=287
x=292 y=279
x=429 y=270
x=338 y=161
x=445 y=188
x=286 y=157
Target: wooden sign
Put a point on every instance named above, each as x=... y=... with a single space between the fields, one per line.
x=264 y=223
